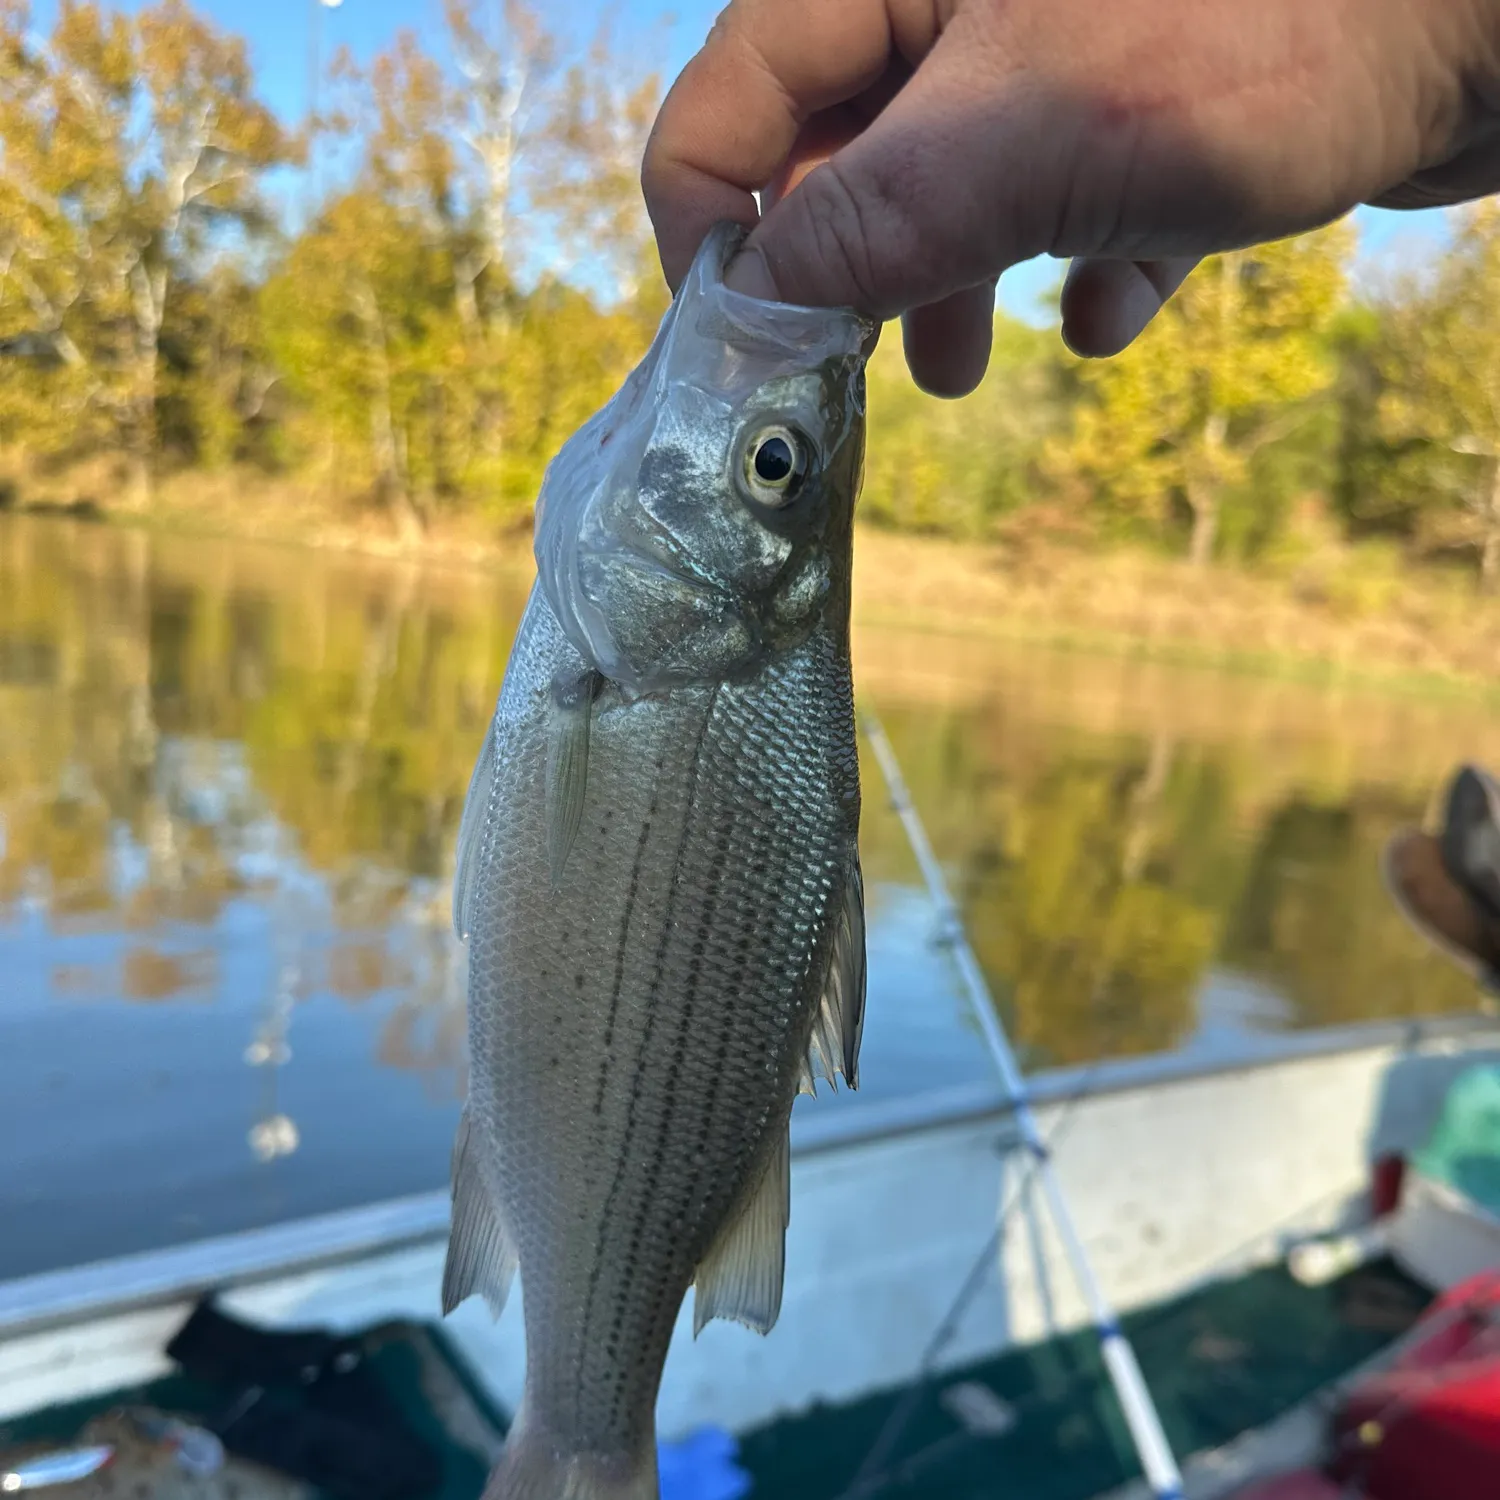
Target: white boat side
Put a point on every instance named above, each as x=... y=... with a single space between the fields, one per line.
x=1177 y=1169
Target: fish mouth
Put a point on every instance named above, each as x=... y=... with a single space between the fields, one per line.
x=659 y=570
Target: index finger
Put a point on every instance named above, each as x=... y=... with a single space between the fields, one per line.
x=732 y=117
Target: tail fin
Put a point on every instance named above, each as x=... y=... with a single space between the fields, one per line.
x=533 y=1467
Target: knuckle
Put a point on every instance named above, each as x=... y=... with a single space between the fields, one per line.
x=858 y=236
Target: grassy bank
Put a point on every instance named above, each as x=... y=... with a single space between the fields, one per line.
x=1342 y=617
x=1322 y=612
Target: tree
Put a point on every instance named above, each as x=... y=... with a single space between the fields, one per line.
x=217 y=396
x=956 y=467
x=1231 y=364
x=432 y=366
x=590 y=157
x=361 y=318
x=504 y=69
x=1438 y=412
x=64 y=117
x=132 y=152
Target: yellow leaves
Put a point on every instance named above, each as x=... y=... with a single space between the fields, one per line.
x=424 y=363
x=1438 y=409
x=366 y=322
x=957 y=466
x=126 y=142
x=205 y=117
x=1179 y=414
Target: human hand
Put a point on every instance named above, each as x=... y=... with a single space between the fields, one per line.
x=909 y=151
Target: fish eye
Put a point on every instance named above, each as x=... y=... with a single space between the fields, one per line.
x=775 y=465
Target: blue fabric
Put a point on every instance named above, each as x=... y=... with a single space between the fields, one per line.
x=702 y=1467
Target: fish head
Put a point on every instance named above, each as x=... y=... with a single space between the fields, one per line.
x=702 y=519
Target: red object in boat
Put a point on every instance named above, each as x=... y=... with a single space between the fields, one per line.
x=1428 y=1428
x=1385 y=1184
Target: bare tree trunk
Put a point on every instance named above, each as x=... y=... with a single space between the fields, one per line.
x=390 y=472
x=1204 y=504
x=390 y=480
x=143 y=433
x=148 y=297
x=1204 y=492
x=466 y=296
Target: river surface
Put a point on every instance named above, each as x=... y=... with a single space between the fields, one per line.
x=230 y=784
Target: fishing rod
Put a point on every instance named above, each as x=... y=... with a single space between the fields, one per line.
x=872 y=1475
x=1139 y=1410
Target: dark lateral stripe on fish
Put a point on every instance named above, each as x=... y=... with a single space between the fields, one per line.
x=606 y=1217
x=648 y=1197
x=620 y=952
x=703 y=933
x=616 y=987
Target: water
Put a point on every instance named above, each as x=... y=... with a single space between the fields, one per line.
x=230 y=781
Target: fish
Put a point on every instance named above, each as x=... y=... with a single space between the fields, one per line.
x=658 y=882
x=1447 y=884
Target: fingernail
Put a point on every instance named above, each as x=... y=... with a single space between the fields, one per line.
x=749 y=274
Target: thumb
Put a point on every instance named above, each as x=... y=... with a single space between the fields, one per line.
x=930 y=200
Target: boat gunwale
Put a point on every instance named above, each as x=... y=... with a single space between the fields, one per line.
x=153 y=1278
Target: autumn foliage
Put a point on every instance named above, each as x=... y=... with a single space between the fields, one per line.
x=401 y=304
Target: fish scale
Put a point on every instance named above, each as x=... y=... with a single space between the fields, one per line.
x=658 y=883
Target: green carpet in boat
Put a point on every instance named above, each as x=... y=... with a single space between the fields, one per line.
x=414 y=1363
x=1219 y=1361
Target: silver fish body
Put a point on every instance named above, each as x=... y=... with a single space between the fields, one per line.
x=659 y=881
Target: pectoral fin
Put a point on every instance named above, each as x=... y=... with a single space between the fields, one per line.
x=471 y=832
x=834 y=1047
x=568 y=764
x=481 y=1254
x=741 y=1277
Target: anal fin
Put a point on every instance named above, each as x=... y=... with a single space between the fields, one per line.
x=840 y=1022
x=481 y=1254
x=568 y=763
x=741 y=1277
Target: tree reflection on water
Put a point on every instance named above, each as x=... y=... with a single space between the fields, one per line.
x=191 y=730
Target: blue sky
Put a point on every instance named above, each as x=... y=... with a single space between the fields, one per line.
x=279 y=34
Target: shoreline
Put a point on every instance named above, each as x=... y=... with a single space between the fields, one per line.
x=1130 y=605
